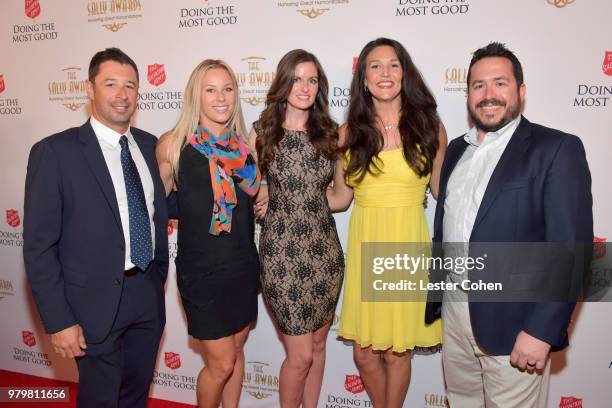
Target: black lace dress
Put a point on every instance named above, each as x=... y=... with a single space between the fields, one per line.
x=301 y=258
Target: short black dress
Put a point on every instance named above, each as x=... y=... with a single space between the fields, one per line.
x=218 y=276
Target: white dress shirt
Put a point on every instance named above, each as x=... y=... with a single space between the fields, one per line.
x=111 y=149
x=467 y=184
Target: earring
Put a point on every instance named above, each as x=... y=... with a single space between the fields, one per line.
x=366 y=90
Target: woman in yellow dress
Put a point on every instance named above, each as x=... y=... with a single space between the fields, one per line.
x=394 y=145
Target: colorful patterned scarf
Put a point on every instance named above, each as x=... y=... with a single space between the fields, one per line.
x=228 y=157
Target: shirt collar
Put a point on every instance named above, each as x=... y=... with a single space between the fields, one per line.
x=471 y=136
x=107 y=134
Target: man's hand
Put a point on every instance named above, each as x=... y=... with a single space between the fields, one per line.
x=69 y=342
x=529 y=353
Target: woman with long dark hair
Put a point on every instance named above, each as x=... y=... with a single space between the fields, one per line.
x=207 y=161
x=301 y=258
x=394 y=144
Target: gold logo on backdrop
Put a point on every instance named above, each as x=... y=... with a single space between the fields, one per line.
x=560 y=3
x=258 y=382
x=114 y=27
x=70 y=92
x=312 y=9
x=258 y=395
x=253 y=100
x=6 y=288
x=254 y=83
x=312 y=13
x=113 y=13
x=455 y=79
x=73 y=106
x=436 y=400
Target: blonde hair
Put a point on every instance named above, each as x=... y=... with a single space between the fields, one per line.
x=190 y=114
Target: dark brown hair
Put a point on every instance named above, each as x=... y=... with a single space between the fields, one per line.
x=496 y=49
x=109 y=54
x=418 y=123
x=322 y=130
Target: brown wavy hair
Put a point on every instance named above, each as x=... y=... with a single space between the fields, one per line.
x=322 y=130
x=418 y=124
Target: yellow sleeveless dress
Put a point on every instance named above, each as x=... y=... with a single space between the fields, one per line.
x=388 y=207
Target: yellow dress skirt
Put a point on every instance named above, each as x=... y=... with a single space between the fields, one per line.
x=388 y=207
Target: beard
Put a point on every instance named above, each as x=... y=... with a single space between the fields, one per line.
x=512 y=112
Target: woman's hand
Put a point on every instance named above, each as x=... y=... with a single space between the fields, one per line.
x=339 y=195
x=260 y=206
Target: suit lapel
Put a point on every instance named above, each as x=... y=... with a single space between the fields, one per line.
x=97 y=164
x=508 y=161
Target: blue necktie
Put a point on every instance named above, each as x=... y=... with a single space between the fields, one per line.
x=141 y=247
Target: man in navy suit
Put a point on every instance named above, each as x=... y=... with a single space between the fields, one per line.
x=508 y=181
x=96 y=251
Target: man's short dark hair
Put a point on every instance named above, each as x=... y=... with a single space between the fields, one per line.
x=496 y=49
x=109 y=54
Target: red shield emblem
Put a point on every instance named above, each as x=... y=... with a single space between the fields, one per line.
x=353 y=383
x=170 y=227
x=354 y=65
x=1 y=83
x=599 y=248
x=606 y=67
x=172 y=360
x=156 y=74
x=12 y=218
x=570 y=402
x=32 y=8
x=28 y=338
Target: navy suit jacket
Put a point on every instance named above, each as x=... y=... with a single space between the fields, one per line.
x=74 y=247
x=540 y=191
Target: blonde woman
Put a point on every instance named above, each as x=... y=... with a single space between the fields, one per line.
x=206 y=161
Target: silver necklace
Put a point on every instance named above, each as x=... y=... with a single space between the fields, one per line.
x=386 y=129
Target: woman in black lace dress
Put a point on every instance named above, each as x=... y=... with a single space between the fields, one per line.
x=301 y=258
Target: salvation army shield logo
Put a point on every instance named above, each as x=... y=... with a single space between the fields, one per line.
x=353 y=383
x=170 y=227
x=12 y=218
x=32 y=8
x=172 y=360
x=1 y=83
x=28 y=338
x=606 y=67
x=570 y=402
x=156 y=74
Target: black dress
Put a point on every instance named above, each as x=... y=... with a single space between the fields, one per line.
x=218 y=276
